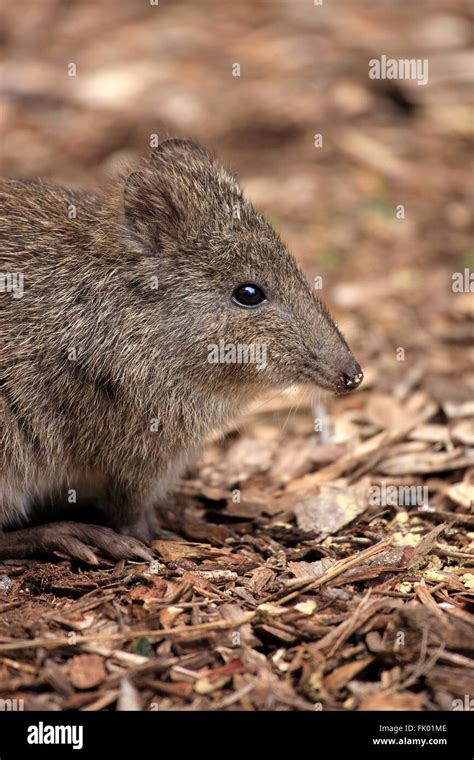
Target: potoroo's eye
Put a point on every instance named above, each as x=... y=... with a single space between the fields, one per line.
x=249 y=296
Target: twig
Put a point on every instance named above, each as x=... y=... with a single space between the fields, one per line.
x=339 y=567
x=447 y=551
x=149 y=634
x=233 y=698
x=366 y=449
x=350 y=624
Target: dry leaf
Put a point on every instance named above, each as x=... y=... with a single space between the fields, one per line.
x=332 y=507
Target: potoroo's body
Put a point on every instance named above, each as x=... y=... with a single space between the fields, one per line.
x=107 y=383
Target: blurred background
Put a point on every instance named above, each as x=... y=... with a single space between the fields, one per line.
x=167 y=69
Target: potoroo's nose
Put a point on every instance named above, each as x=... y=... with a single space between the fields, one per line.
x=351 y=377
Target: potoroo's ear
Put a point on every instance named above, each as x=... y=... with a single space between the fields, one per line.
x=181 y=183
x=156 y=197
x=151 y=209
x=178 y=149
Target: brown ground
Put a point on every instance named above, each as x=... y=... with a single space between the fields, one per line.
x=308 y=591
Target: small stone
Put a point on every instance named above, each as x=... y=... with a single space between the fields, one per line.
x=87 y=671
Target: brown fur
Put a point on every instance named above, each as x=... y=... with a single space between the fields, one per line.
x=140 y=350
